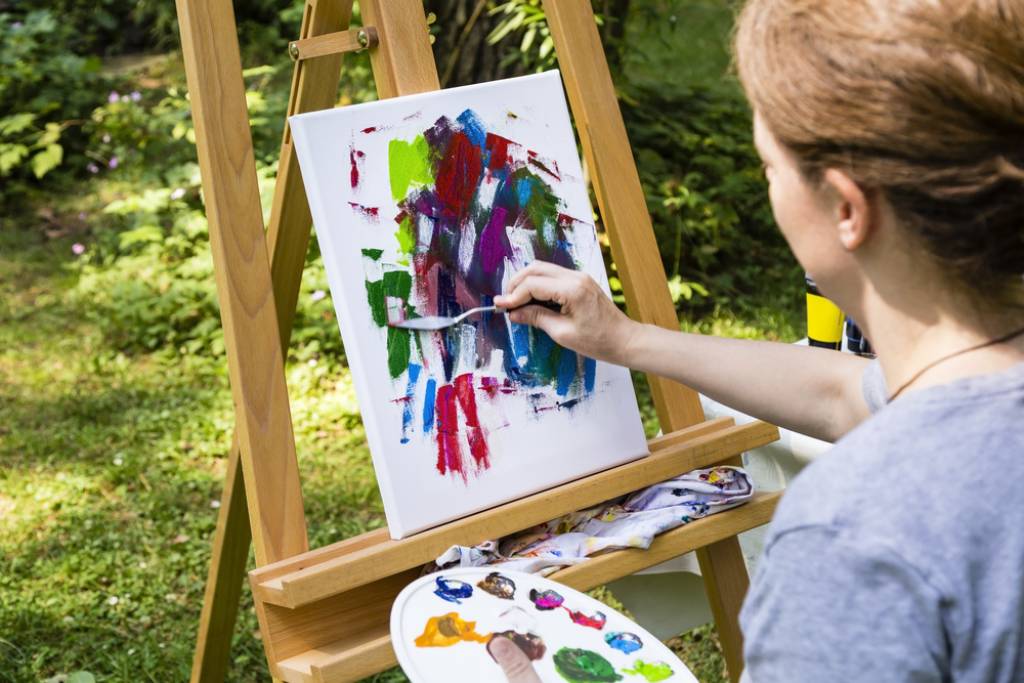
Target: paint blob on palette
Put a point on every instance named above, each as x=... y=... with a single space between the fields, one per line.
x=436 y=641
x=428 y=205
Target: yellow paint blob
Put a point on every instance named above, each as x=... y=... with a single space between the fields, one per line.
x=447 y=630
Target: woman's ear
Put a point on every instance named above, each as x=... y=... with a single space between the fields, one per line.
x=854 y=217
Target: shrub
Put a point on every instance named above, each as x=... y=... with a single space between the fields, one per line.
x=46 y=93
x=707 y=195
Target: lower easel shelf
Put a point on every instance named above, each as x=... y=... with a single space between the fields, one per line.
x=369 y=650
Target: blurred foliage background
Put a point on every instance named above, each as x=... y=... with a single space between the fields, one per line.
x=114 y=410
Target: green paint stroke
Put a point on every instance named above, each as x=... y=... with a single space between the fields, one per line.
x=398 y=351
x=408 y=164
x=373 y=254
x=652 y=671
x=396 y=284
x=375 y=297
x=406 y=236
x=577 y=665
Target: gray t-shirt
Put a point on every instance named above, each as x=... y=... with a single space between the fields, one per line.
x=899 y=556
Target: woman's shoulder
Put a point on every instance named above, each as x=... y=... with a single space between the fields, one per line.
x=928 y=453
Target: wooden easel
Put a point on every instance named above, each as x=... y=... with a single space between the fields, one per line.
x=324 y=613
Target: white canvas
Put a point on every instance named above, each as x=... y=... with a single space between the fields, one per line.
x=427 y=205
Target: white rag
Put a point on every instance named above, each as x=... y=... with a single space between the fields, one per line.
x=629 y=523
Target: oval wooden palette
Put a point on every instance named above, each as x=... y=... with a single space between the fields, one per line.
x=441 y=623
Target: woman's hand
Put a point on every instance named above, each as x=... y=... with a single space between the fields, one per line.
x=589 y=322
x=513 y=662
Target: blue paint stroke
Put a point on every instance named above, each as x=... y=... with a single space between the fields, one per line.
x=428 y=405
x=410 y=396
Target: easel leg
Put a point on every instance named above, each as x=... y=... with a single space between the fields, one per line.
x=726 y=582
x=313 y=87
x=231 y=543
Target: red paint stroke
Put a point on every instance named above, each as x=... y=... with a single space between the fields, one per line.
x=449 y=459
x=477 y=438
x=498 y=147
x=371 y=213
x=597 y=621
x=535 y=160
x=369 y=129
x=567 y=222
x=457 y=176
x=355 y=157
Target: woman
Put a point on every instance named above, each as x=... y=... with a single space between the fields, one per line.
x=892 y=134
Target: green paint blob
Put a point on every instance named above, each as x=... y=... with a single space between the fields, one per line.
x=408 y=164
x=577 y=665
x=652 y=671
x=373 y=254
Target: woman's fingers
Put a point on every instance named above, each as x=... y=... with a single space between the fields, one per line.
x=539 y=287
x=538 y=268
x=512 y=660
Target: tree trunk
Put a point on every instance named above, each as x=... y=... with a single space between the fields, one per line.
x=461 y=49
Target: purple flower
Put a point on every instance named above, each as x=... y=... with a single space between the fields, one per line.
x=92 y=168
x=113 y=97
x=178 y=193
x=16 y=25
x=136 y=96
x=77 y=249
x=318 y=295
x=113 y=162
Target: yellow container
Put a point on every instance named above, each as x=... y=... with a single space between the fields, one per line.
x=824 y=320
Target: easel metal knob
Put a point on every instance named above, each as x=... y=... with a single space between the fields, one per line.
x=353 y=40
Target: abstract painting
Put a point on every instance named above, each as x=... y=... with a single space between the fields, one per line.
x=427 y=205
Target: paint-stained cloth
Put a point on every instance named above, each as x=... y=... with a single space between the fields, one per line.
x=629 y=522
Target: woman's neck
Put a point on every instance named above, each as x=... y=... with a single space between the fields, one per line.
x=930 y=324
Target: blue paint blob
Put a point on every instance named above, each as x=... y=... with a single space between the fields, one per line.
x=627 y=643
x=453 y=590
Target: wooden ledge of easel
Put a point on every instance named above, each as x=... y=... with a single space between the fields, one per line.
x=340 y=567
x=369 y=650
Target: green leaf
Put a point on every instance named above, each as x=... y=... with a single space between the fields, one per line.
x=11 y=156
x=9 y=125
x=47 y=160
x=50 y=136
x=81 y=677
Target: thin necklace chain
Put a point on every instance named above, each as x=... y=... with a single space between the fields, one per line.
x=991 y=342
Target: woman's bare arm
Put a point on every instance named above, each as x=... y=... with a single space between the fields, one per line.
x=812 y=391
